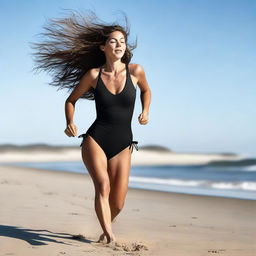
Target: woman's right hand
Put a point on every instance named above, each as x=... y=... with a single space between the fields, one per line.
x=71 y=130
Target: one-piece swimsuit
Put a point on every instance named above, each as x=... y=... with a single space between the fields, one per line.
x=112 y=129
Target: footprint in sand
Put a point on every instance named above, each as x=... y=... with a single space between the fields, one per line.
x=12 y=182
x=216 y=251
x=133 y=247
x=50 y=193
x=88 y=250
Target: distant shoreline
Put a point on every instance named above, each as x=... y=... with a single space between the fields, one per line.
x=151 y=155
x=47 y=147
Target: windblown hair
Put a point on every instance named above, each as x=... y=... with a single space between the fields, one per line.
x=70 y=47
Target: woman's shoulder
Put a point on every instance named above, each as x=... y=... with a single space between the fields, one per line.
x=92 y=75
x=94 y=72
x=136 y=69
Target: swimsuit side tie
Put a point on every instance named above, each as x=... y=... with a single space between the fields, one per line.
x=134 y=144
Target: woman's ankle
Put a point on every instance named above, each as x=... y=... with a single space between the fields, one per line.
x=110 y=237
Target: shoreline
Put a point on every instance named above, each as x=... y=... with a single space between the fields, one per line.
x=242 y=196
x=40 y=206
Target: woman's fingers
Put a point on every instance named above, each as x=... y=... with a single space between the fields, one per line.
x=71 y=130
x=144 y=122
x=143 y=119
x=67 y=132
x=140 y=117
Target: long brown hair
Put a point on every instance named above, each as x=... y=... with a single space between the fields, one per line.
x=70 y=47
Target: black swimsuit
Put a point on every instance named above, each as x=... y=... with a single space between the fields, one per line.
x=112 y=126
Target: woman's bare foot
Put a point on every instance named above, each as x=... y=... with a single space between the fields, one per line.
x=102 y=238
x=111 y=239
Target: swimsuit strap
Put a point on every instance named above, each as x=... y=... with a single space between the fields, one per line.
x=99 y=76
x=100 y=70
x=127 y=69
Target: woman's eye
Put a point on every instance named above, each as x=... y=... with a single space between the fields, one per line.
x=115 y=42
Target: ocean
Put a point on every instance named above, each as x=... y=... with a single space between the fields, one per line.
x=235 y=181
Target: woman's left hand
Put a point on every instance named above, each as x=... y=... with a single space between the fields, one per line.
x=143 y=118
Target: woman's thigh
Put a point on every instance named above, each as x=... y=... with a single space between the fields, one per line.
x=95 y=160
x=119 y=171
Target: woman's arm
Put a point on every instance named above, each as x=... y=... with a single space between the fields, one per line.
x=83 y=86
x=145 y=95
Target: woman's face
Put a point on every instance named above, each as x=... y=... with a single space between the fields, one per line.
x=115 y=45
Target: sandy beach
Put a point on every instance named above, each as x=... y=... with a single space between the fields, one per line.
x=52 y=213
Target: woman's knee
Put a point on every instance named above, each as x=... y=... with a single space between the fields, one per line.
x=117 y=206
x=103 y=188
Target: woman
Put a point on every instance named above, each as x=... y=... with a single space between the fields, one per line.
x=96 y=59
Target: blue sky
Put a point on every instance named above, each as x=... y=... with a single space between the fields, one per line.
x=199 y=58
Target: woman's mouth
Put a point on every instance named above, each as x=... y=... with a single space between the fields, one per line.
x=118 y=51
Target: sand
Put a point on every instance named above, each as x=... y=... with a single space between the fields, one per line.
x=41 y=212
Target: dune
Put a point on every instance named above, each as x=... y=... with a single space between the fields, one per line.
x=151 y=155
